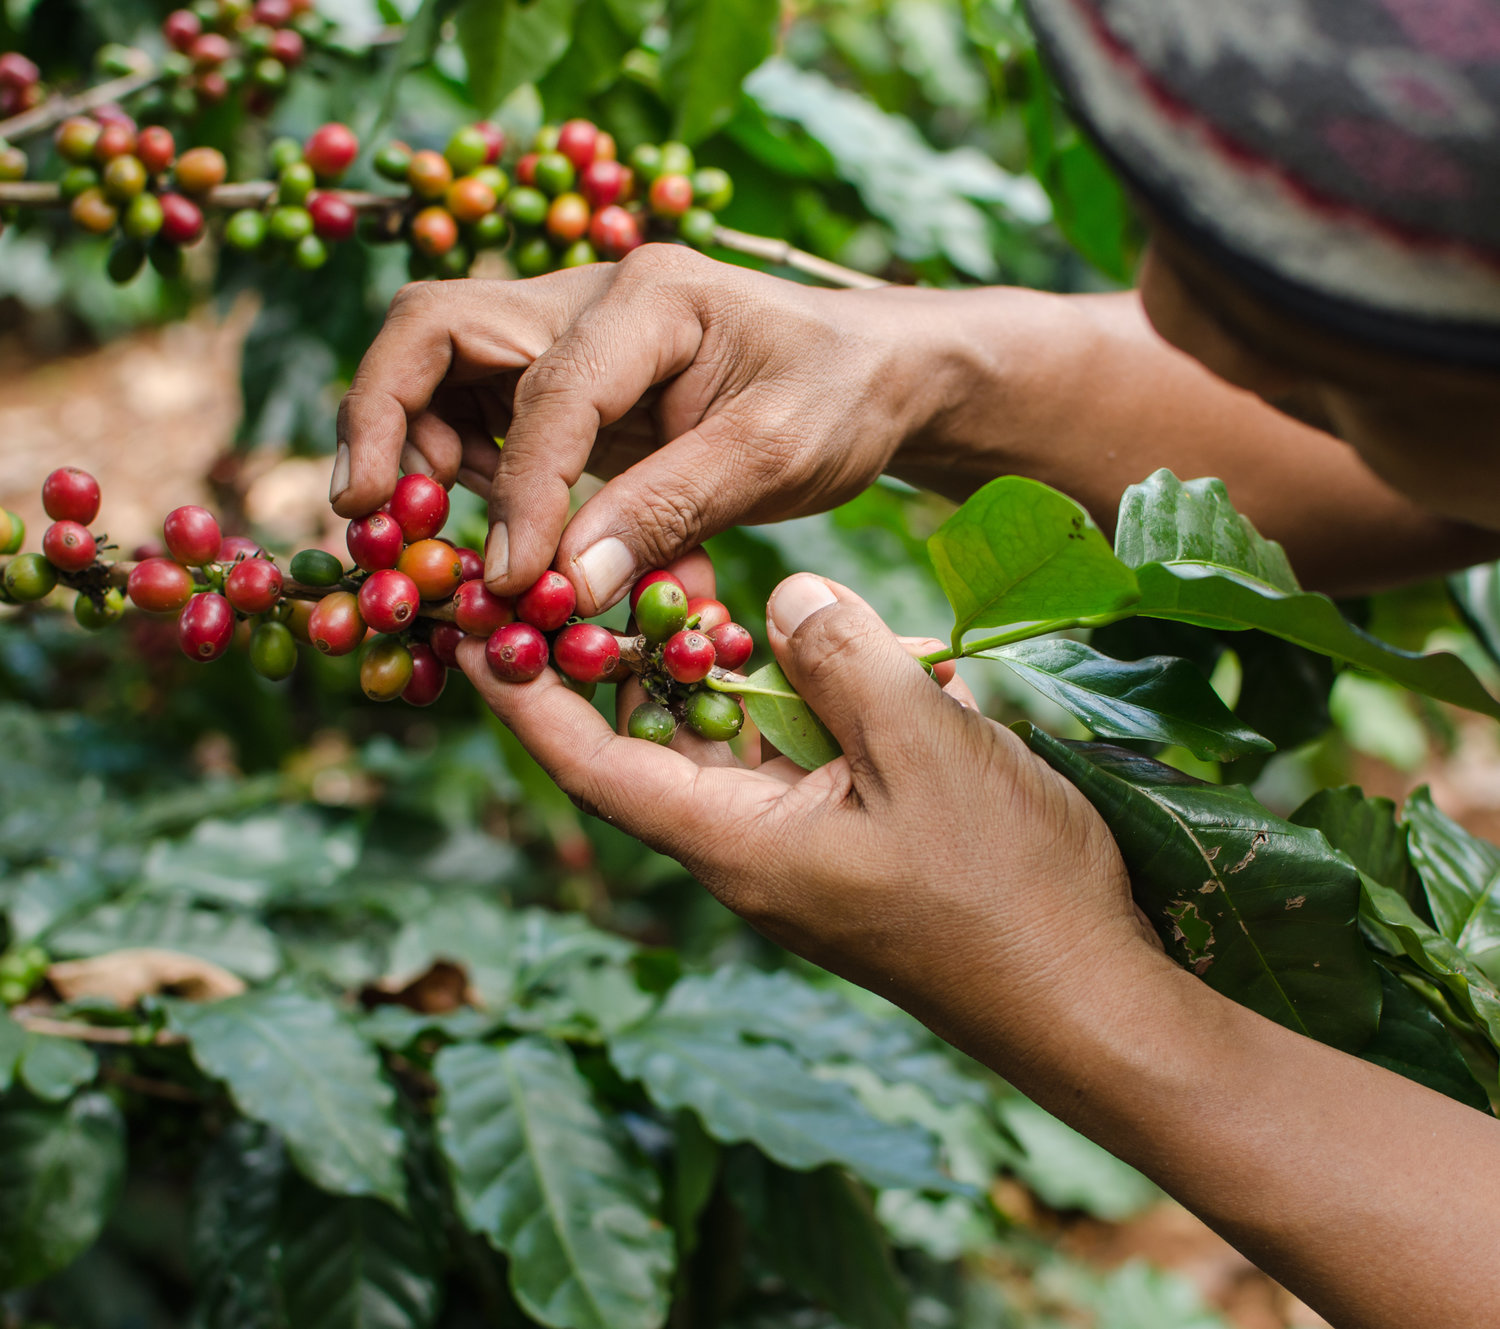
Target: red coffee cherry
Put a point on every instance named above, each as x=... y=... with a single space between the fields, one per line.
x=549 y=603
x=273 y=13
x=181 y=219
x=115 y=140
x=213 y=87
x=69 y=494
x=16 y=71
x=671 y=195
x=159 y=586
x=331 y=150
x=586 y=652
x=236 y=547
x=428 y=676
x=288 y=47
x=68 y=546
x=253 y=585
x=568 y=218
x=603 y=183
x=385 y=671
x=375 y=541
x=429 y=174
x=181 y=28
x=210 y=50
x=434 y=566
x=526 y=169
x=335 y=626
x=605 y=147
x=480 y=611
x=469 y=199
x=434 y=231
x=156 y=148
x=388 y=601
x=334 y=218
x=517 y=653
x=733 y=645
x=688 y=656
x=711 y=613
x=473 y=564
x=420 y=506
x=576 y=140
x=444 y=640
x=205 y=627
x=192 y=535
x=494 y=140
x=650 y=579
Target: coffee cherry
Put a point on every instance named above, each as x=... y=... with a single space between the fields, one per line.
x=273 y=13
x=385 y=669
x=420 y=506
x=77 y=180
x=579 y=255
x=444 y=639
x=576 y=140
x=711 y=613
x=159 y=586
x=29 y=577
x=554 y=173
x=192 y=535
x=144 y=217
x=712 y=188
x=375 y=541
x=124 y=178
x=429 y=174
x=517 y=653
x=645 y=161
x=568 y=218
x=288 y=48
x=310 y=254
x=698 y=227
x=661 y=610
x=333 y=216
x=534 y=258
x=473 y=564
x=393 y=161
x=435 y=567
x=331 y=150
x=467 y=150
x=96 y=616
x=676 y=159
x=688 y=656
x=155 y=148
x=212 y=87
x=297 y=614
x=434 y=232
x=182 y=219
x=480 y=611
x=235 y=547
x=69 y=494
x=253 y=585
x=653 y=723
x=199 y=170
x=526 y=168
x=714 y=715
x=16 y=71
x=603 y=183
x=210 y=51
x=549 y=603
x=545 y=140
x=494 y=140
x=733 y=645
x=455 y=263
x=671 y=195
x=273 y=651
x=469 y=199
x=93 y=212
x=181 y=28
x=429 y=675
x=586 y=652
x=205 y=626
x=388 y=600
x=115 y=140
x=316 y=567
x=68 y=546
x=75 y=138
x=282 y=153
x=12 y=532
x=290 y=225
x=126 y=259
x=336 y=626
x=165 y=257
x=245 y=230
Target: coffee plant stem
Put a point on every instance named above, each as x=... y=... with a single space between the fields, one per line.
x=961 y=650
x=55 y=110
x=789 y=256
x=88 y=1033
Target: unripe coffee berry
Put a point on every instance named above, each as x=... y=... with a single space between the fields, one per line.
x=96 y=616
x=143 y=218
x=333 y=217
x=549 y=603
x=316 y=567
x=653 y=723
x=469 y=199
x=434 y=232
x=124 y=178
x=554 y=174
x=29 y=577
x=429 y=174
x=375 y=541
x=714 y=715
x=479 y=611
x=192 y=535
x=245 y=230
x=568 y=218
x=733 y=645
x=473 y=563
x=253 y=585
x=290 y=225
x=434 y=566
x=199 y=170
x=69 y=494
x=420 y=506
x=711 y=613
x=494 y=140
x=467 y=150
x=273 y=651
x=205 y=626
x=159 y=586
x=295 y=184
x=517 y=653
x=335 y=626
x=12 y=532
x=444 y=639
x=534 y=257
x=389 y=600
x=68 y=546
x=75 y=138
x=393 y=161
x=688 y=656
x=661 y=611
x=126 y=259
x=671 y=195
x=712 y=188
x=93 y=212
x=331 y=150
x=698 y=226
x=385 y=670
x=310 y=254
x=586 y=652
x=650 y=579
x=428 y=676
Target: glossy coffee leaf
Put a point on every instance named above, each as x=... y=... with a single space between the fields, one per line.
x=232 y=1229
x=787 y=721
x=1461 y=875
x=1413 y=1042
x=1366 y=829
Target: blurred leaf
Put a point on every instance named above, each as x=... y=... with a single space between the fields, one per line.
x=1413 y=1042
x=601 y=41
x=1461 y=875
x=13 y=1041
x=236 y=1197
x=418 y=42
x=233 y=940
x=787 y=722
x=713 y=45
x=1476 y=592
x=53 y=1068
x=510 y=42
x=696 y=1163
x=1069 y=1171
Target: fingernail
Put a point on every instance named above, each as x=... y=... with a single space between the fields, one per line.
x=606 y=566
x=795 y=599
x=340 y=480
x=413 y=462
x=497 y=553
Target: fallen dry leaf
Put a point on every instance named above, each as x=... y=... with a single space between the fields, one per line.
x=124 y=977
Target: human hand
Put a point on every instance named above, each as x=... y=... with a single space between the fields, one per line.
x=713 y=394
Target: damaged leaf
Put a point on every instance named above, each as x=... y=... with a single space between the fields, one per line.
x=124 y=977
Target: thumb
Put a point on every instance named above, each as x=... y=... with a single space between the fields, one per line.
x=855 y=674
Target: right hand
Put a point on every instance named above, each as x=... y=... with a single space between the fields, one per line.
x=712 y=394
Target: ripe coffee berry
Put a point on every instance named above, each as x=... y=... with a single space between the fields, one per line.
x=479 y=611
x=688 y=656
x=253 y=585
x=159 y=586
x=182 y=219
x=68 y=546
x=156 y=148
x=375 y=541
x=192 y=535
x=389 y=600
x=316 y=567
x=205 y=627
x=200 y=169
x=586 y=652
x=181 y=28
x=273 y=651
x=428 y=676
x=210 y=51
x=434 y=566
x=420 y=506
x=549 y=603
x=650 y=579
x=434 y=232
x=333 y=216
x=235 y=547
x=603 y=183
x=69 y=494
x=662 y=610
x=385 y=670
x=444 y=639
x=671 y=195
x=288 y=48
x=96 y=616
x=473 y=563
x=469 y=199
x=494 y=140
x=733 y=645
x=711 y=613
x=526 y=169
x=29 y=577
x=335 y=626
x=517 y=653
x=714 y=715
x=568 y=218
x=576 y=140
x=653 y=723
x=115 y=140
x=331 y=150
x=429 y=174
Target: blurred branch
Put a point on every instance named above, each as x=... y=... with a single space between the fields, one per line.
x=57 y=109
x=789 y=256
x=88 y=1033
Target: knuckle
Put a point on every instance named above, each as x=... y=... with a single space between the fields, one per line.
x=668 y=522
x=653 y=263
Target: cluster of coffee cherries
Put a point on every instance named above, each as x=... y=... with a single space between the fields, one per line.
x=301 y=219
x=21 y=86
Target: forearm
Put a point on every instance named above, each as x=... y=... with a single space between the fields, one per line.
x=1081 y=393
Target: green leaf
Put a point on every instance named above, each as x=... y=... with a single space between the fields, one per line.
x=510 y=42
x=1019 y=552
x=1263 y=910
x=252 y=861
x=53 y=1068
x=418 y=41
x=13 y=1040
x=819 y=1232
x=594 y=60
x=1367 y=831
x=1461 y=874
x=1476 y=593
x=1413 y=1042
x=1163 y=520
x=1068 y=1170
x=60 y=1171
x=696 y=1161
x=552 y=1182
x=236 y=1199
x=233 y=940
x=1161 y=699
x=787 y=721
x=714 y=44
x=299 y=1065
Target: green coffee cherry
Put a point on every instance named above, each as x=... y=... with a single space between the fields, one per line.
x=555 y=174
x=316 y=567
x=392 y=162
x=466 y=150
x=661 y=611
x=284 y=152
x=97 y=616
x=290 y=225
x=310 y=254
x=715 y=715
x=528 y=206
x=579 y=254
x=496 y=179
x=534 y=257
x=29 y=577
x=295 y=183
x=645 y=161
x=245 y=230
x=696 y=226
x=76 y=179
x=273 y=651
x=17 y=533
x=456 y=262
x=490 y=230
x=676 y=159
x=712 y=188
x=126 y=259
x=652 y=722
x=143 y=218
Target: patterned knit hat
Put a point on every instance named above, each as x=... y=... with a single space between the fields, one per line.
x=1340 y=157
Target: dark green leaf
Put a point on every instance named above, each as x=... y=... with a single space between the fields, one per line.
x=714 y=44
x=1461 y=874
x=541 y=1172
x=696 y=1161
x=787 y=721
x=1159 y=698
x=298 y=1064
x=233 y=940
x=1262 y=909
x=418 y=41
x=1367 y=831
x=510 y=42
x=236 y=1199
x=1413 y=1042
x=52 y=1068
x=13 y=1040
x=1283 y=690
x=594 y=60
x=1019 y=552
x=60 y=1170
